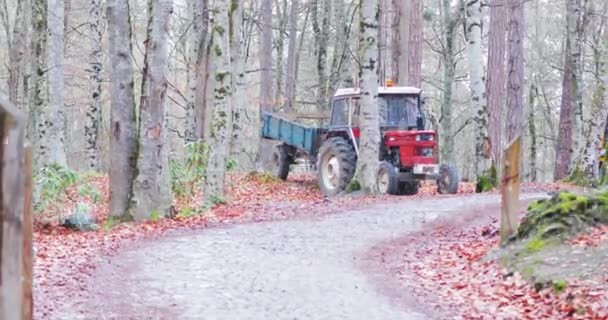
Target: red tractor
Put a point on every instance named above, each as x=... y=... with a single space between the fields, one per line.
x=408 y=153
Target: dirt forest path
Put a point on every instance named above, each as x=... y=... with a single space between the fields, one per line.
x=302 y=268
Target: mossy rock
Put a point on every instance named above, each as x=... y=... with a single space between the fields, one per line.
x=564 y=214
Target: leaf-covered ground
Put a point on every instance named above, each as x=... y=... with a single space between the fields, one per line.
x=446 y=268
x=64 y=258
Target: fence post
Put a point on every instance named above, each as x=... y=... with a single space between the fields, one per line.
x=28 y=229
x=509 y=220
x=12 y=207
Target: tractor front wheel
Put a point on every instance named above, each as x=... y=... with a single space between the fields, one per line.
x=387 y=179
x=448 y=179
x=280 y=162
x=336 y=163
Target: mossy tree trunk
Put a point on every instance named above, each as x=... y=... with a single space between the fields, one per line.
x=245 y=137
x=369 y=145
x=123 y=131
x=93 y=116
x=151 y=191
x=221 y=122
x=476 y=84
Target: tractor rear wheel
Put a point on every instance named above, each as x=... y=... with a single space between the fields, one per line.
x=387 y=179
x=409 y=188
x=336 y=163
x=448 y=179
x=280 y=162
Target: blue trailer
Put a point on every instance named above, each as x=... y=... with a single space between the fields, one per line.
x=292 y=134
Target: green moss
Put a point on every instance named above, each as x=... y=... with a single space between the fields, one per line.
x=110 y=223
x=579 y=178
x=487 y=181
x=559 y=286
x=535 y=245
x=353 y=186
x=155 y=216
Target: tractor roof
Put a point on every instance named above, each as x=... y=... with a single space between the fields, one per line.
x=381 y=90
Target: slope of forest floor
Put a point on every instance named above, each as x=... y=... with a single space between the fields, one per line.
x=64 y=258
x=454 y=269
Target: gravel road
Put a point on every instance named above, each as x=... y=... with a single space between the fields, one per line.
x=303 y=268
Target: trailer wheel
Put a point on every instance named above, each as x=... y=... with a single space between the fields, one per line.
x=387 y=179
x=409 y=188
x=448 y=179
x=336 y=162
x=280 y=162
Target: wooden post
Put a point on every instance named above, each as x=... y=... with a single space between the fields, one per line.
x=12 y=206
x=509 y=220
x=28 y=229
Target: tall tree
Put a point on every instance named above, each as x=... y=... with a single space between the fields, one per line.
x=401 y=41
x=195 y=47
x=496 y=78
x=17 y=42
x=290 y=77
x=280 y=45
x=151 y=191
x=244 y=134
x=449 y=22
x=123 y=132
x=369 y=145
x=266 y=55
x=51 y=129
x=577 y=21
x=93 y=116
x=221 y=124
x=515 y=70
x=320 y=13
x=415 y=42
x=570 y=123
x=599 y=104
x=39 y=95
x=476 y=83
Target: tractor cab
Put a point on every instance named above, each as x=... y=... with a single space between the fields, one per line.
x=408 y=152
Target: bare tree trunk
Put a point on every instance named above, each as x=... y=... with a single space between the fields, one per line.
x=415 y=42
x=449 y=26
x=599 y=103
x=576 y=22
x=39 y=94
x=245 y=136
x=290 y=78
x=496 y=78
x=515 y=67
x=282 y=10
x=564 y=147
x=321 y=33
x=341 y=55
x=123 y=119
x=17 y=47
x=151 y=191
x=93 y=116
x=401 y=42
x=266 y=56
x=532 y=130
x=195 y=48
x=219 y=139
x=369 y=145
x=478 y=94
x=51 y=132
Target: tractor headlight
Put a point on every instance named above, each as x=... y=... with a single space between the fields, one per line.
x=417 y=137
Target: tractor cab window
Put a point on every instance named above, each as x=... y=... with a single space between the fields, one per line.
x=399 y=111
x=339 y=113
